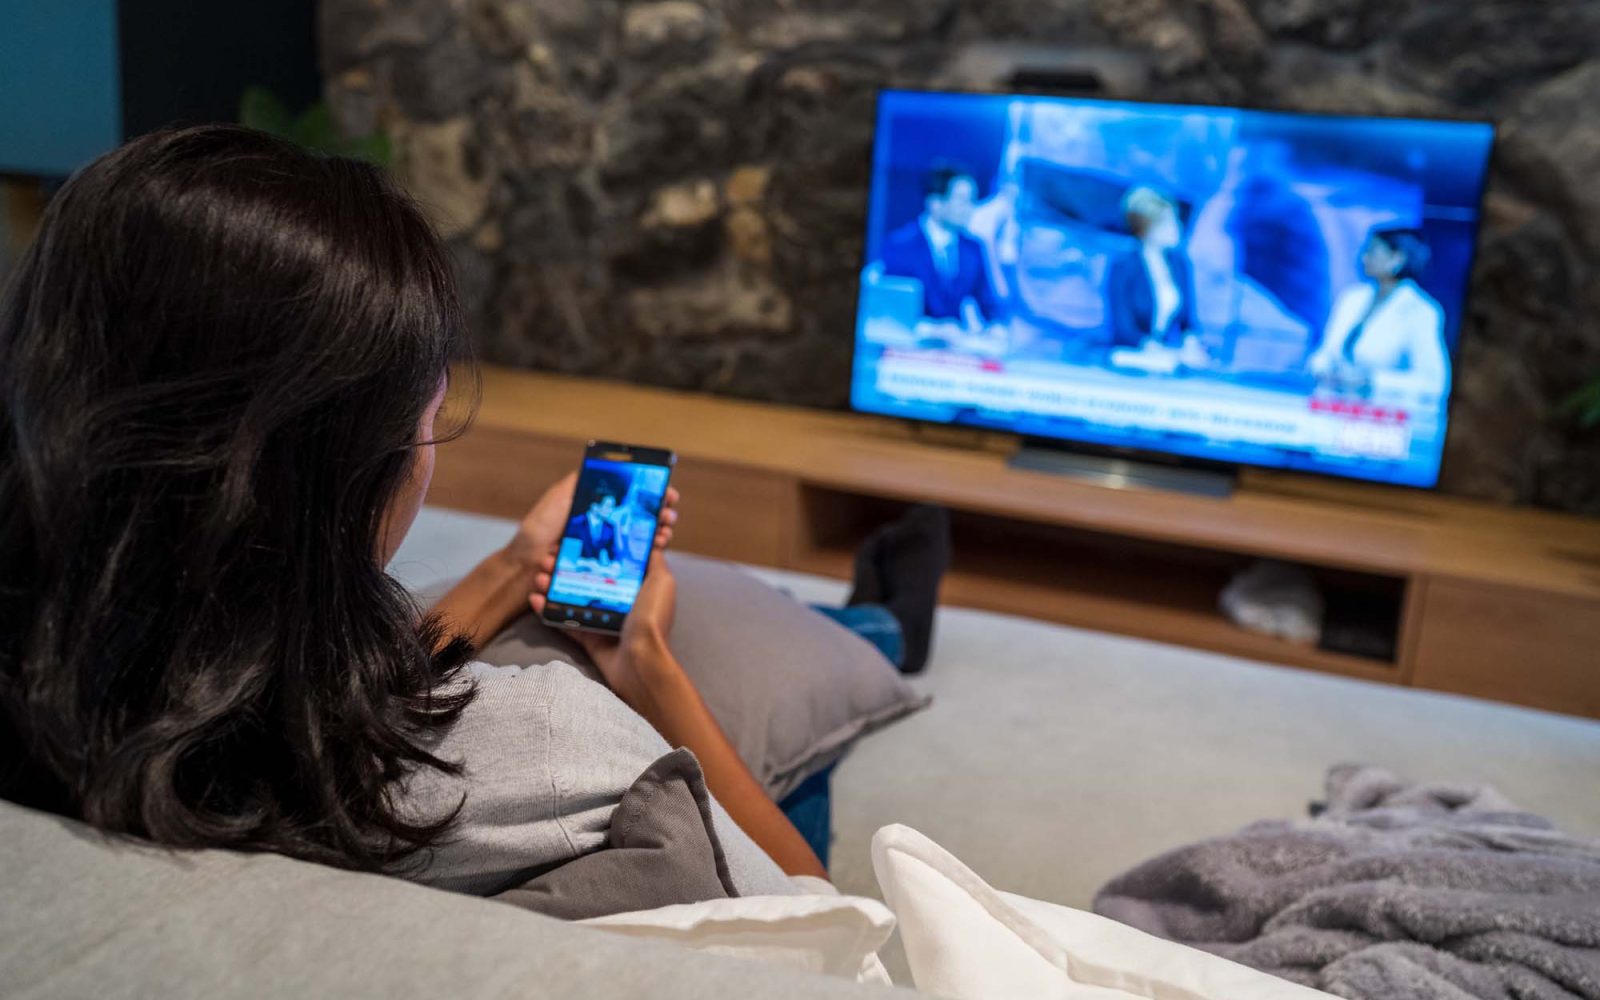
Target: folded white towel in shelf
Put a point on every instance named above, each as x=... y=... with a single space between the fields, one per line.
x=1276 y=598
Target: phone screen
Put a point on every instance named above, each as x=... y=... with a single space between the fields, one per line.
x=610 y=531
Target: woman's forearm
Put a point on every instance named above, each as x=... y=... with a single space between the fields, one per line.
x=487 y=599
x=671 y=703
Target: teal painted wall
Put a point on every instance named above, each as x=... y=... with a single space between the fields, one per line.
x=60 y=90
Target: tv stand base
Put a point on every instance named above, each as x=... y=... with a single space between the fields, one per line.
x=1123 y=473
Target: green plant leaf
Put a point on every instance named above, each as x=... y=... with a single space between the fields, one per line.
x=1584 y=405
x=315 y=130
x=260 y=109
x=375 y=149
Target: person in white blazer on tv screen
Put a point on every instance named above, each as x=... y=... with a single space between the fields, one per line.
x=1385 y=336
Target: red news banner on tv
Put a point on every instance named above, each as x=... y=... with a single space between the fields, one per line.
x=1332 y=426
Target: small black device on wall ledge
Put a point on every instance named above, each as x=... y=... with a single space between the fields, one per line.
x=1082 y=82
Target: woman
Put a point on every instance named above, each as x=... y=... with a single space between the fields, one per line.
x=220 y=367
x=1385 y=336
x=1150 y=291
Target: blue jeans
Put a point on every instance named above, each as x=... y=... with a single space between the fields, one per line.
x=874 y=623
x=810 y=806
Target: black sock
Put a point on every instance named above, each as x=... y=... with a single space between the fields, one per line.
x=911 y=560
x=867 y=587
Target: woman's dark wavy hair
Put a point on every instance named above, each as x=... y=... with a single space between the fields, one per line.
x=213 y=362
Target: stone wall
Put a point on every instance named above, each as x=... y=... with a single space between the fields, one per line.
x=672 y=191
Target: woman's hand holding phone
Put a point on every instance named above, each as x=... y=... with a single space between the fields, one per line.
x=638 y=664
x=630 y=663
x=639 y=667
x=498 y=589
x=538 y=534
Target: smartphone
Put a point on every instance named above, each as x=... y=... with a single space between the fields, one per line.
x=611 y=529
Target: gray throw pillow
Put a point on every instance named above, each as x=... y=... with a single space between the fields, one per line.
x=662 y=850
x=792 y=688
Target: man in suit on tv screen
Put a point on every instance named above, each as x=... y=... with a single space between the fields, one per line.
x=936 y=250
x=594 y=530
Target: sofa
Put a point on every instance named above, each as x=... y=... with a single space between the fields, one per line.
x=1051 y=759
x=87 y=916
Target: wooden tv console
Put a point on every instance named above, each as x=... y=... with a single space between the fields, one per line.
x=1472 y=598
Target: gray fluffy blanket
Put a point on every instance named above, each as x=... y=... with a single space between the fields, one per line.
x=1393 y=890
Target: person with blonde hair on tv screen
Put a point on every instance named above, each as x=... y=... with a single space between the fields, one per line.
x=1150 y=290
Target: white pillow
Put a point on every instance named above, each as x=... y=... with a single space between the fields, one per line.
x=965 y=940
x=830 y=934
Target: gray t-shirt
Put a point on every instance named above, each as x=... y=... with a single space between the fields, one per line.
x=547 y=752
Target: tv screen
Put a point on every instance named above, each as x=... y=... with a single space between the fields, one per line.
x=1247 y=287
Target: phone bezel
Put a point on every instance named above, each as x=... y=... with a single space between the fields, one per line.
x=563 y=616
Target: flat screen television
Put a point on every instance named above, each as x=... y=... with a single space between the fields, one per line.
x=1217 y=284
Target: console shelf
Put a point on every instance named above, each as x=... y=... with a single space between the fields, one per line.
x=1483 y=600
x=1152 y=590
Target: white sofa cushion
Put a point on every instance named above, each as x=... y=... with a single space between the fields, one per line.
x=966 y=940
x=825 y=933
